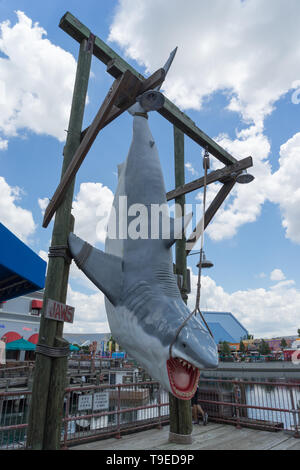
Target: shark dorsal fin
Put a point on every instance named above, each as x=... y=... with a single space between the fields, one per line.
x=103 y=269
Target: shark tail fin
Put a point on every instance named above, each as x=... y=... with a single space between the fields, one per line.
x=103 y=269
x=177 y=227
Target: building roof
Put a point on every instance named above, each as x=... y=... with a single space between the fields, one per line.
x=88 y=338
x=21 y=269
x=225 y=327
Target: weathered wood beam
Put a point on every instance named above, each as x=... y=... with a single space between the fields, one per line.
x=124 y=90
x=154 y=80
x=218 y=175
x=209 y=213
x=117 y=66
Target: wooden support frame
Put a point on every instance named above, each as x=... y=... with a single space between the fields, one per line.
x=45 y=418
x=124 y=91
x=210 y=212
x=214 y=176
x=117 y=66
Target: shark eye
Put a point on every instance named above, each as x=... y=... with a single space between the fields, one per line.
x=184 y=345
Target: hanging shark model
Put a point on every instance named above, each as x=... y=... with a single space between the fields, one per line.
x=143 y=303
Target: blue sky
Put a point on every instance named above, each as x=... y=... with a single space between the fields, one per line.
x=234 y=76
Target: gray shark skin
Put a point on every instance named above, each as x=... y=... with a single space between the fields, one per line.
x=143 y=303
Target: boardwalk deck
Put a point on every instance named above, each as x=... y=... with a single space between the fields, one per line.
x=211 y=437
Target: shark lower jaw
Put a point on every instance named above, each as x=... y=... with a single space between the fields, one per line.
x=183 y=378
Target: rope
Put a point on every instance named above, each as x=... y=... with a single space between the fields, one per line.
x=197 y=306
x=52 y=351
x=60 y=251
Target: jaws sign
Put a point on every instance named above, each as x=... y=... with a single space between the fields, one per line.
x=59 y=312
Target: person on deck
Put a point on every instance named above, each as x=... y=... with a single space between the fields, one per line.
x=197 y=409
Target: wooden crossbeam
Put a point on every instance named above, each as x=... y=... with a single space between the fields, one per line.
x=217 y=175
x=209 y=213
x=117 y=66
x=154 y=80
x=125 y=89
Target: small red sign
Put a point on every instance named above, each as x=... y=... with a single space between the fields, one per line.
x=59 y=312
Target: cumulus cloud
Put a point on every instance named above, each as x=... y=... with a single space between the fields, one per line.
x=237 y=52
x=30 y=72
x=285 y=189
x=3 y=144
x=91 y=209
x=263 y=312
x=244 y=203
x=277 y=275
x=191 y=169
x=90 y=315
x=12 y=215
x=234 y=47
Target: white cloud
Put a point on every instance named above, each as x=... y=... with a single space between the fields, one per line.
x=263 y=312
x=244 y=203
x=3 y=144
x=43 y=203
x=285 y=189
x=240 y=53
x=235 y=47
x=37 y=80
x=91 y=209
x=15 y=218
x=277 y=275
x=191 y=169
x=90 y=315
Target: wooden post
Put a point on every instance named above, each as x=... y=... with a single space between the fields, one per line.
x=47 y=393
x=180 y=410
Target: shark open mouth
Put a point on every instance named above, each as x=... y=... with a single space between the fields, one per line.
x=183 y=378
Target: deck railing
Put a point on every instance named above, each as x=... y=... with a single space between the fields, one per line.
x=98 y=411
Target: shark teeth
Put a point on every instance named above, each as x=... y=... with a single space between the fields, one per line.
x=178 y=370
x=186 y=364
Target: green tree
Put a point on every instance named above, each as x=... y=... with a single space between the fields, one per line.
x=264 y=348
x=283 y=343
x=299 y=332
x=225 y=348
x=242 y=347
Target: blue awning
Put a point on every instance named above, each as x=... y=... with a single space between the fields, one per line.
x=21 y=269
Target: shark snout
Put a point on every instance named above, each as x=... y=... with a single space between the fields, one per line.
x=197 y=346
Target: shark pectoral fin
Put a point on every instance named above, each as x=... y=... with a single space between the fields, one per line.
x=177 y=227
x=103 y=269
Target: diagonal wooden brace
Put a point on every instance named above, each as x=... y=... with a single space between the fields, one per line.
x=209 y=213
x=124 y=91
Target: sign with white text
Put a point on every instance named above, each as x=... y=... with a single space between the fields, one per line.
x=85 y=402
x=96 y=401
x=58 y=311
x=101 y=401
